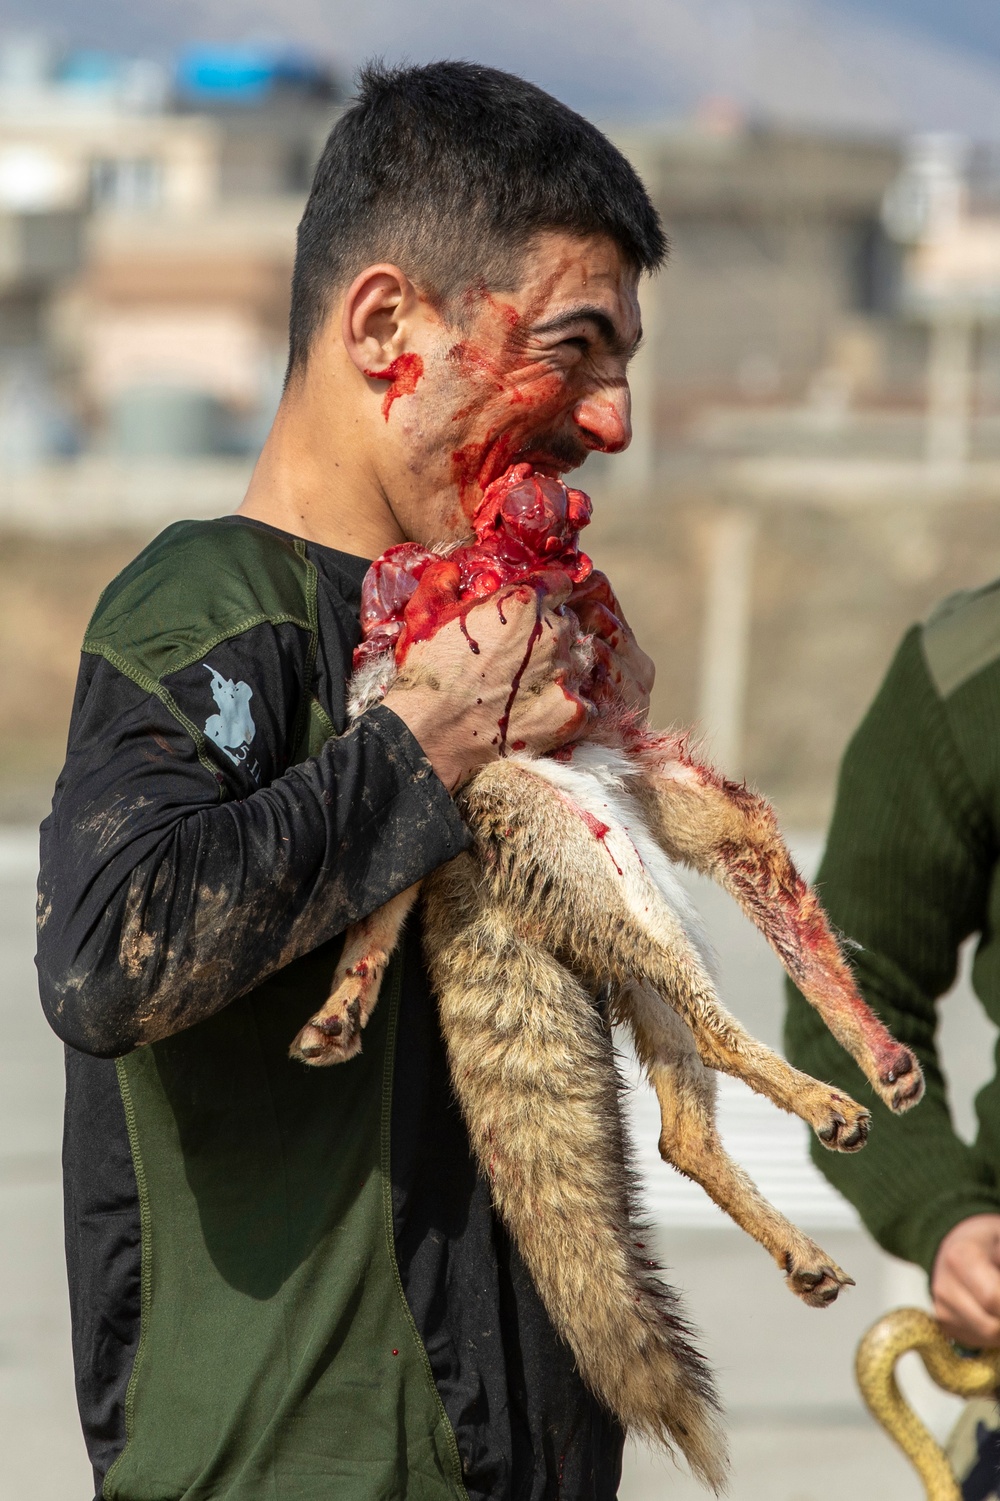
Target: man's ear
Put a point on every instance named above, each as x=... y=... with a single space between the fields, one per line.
x=377 y=316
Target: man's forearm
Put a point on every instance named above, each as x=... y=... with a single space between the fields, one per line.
x=228 y=894
x=906 y=875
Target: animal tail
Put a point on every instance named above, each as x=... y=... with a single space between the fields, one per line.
x=534 y=1073
x=726 y=831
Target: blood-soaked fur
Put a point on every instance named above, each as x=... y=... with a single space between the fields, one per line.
x=570 y=893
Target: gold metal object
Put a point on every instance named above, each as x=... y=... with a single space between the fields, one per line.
x=893 y=1336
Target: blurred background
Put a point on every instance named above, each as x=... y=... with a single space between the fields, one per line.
x=816 y=462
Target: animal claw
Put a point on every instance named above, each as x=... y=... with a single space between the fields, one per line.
x=902 y=1083
x=817 y=1285
x=844 y=1134
x=325 y=1040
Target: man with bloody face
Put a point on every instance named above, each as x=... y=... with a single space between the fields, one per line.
x=290 y=1283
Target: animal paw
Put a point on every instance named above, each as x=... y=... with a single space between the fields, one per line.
x=814 y=1278
x=901 y=1082
x=330 y=1038
x=842 y=1125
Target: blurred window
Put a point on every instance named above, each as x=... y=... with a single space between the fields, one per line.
x=875 y=269
x=33 y=179
x=126 y=182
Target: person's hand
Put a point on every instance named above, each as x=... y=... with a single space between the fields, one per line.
x=504 y=682
x=624 y=672
x=965 y=1282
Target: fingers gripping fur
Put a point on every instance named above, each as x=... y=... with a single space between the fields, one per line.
x=533 y=1070
x=689 y=1140
x=334 y=1034
x=730 y=833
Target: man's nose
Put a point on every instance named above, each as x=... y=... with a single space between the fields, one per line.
x=605 y=420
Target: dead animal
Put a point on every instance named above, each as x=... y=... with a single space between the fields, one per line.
x=570 y=894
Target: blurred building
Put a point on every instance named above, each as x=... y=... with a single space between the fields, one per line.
x=778 y=259
x=791 y=300
x=817 y=402
x=147 y=233
x=146 y=241
x=176 y=325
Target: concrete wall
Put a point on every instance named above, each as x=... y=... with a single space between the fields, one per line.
x=775 y=243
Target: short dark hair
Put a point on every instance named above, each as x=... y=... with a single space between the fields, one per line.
x=449 y=171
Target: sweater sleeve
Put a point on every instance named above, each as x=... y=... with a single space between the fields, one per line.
x=905 y=878
x=179 y=871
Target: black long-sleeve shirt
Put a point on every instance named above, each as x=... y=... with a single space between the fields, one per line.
x=284 y=1281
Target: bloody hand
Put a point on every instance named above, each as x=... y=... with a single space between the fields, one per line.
x=526 y=550
x=500 y=678
x=622 y=670
x=527 y=531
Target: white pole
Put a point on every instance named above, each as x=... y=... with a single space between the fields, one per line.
x=949 y=391
x=726 y=637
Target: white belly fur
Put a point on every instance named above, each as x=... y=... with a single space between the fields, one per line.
x=596 y=781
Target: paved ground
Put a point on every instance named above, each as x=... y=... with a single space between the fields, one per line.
x=44 y=1459
x=797 y=1430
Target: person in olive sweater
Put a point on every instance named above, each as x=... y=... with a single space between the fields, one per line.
x=911 y=871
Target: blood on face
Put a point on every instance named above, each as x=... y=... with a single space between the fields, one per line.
x=518 y=398
x=526 y=529
x=402 y=374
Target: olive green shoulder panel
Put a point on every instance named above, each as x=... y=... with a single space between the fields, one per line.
x=199 y=583
x=319 y=729
x=962 y=636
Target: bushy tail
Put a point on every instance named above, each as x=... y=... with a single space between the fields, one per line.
x=532 y=1066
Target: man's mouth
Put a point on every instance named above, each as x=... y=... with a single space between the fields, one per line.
x=476 y=466
x=545 y=464
x=553 y=458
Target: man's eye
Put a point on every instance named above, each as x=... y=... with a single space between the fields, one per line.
x=580 y=343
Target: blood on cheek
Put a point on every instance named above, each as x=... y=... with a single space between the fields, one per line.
x=515 y=397
x=477 y=465
x=402 y=375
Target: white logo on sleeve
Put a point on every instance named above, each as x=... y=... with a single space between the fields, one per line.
x=232 y=728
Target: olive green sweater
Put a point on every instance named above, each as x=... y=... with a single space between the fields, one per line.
x=911 y=869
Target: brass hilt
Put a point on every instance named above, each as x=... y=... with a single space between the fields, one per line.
x=893 y=1336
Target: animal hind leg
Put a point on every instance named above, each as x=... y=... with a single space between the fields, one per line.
x=730 y=833
x=689 y=1140
x=334 y=1034
x=840 y=1123
x=668 y=963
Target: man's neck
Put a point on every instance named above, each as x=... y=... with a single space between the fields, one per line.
x=310 y=481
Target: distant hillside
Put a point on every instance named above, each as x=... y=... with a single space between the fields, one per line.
x=857 y=65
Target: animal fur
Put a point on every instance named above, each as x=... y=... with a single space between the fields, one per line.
x=570 y=893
